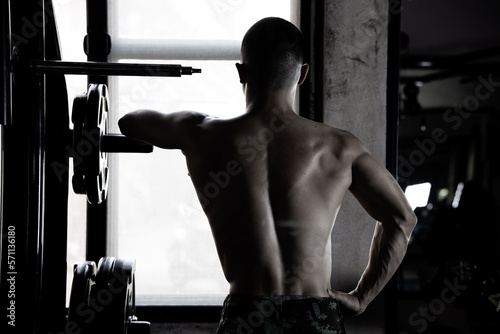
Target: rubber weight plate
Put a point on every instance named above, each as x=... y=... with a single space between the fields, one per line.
x=80 y=308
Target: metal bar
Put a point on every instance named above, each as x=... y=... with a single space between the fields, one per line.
x=97 y=42
x=97 y=50
x=104 y=69
x=5 y=54
x=305 y=90
x=56 y=181
x=311 y=93
x=318 y=44
x=116 y=143
x=392 y=121
x=127 y=48
x=97 y=46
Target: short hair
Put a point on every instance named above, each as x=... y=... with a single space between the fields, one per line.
x=271 y=49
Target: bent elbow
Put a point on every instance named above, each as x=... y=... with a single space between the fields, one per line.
x=409 y=222
x=125 y=124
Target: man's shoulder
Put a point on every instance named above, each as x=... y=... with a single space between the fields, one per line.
x=339 y=134
x=197 y=122
x=194 y=117
x=343 y=142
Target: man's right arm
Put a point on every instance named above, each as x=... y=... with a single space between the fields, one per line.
x=381 y=196
x=175 y=130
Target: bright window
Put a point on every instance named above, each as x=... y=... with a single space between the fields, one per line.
x=155 y=216
x=418 y=194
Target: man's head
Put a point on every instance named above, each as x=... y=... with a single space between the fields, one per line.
x=272 y=54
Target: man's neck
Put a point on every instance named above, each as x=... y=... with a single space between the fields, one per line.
x=261 y=101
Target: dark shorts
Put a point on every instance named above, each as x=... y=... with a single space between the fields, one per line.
x=280 y=314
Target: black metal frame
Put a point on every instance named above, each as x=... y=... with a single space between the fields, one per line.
x=5 y=50
x=392 y=116
x=97 y=48
x=311 y=91
x=33 y=141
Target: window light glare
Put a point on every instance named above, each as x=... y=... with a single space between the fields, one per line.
x=442 y=194
x=426 y=63
x=458 y=194
x=418 y=194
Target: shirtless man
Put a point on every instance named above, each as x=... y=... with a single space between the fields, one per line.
x=281 y=181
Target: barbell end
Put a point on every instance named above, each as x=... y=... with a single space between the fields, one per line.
x=190 y=70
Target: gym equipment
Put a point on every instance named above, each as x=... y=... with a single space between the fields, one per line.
x=102 y=68
x=102 y=300
x=83 y=280
x=92 y=143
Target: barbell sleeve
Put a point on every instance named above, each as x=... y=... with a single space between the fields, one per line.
x=116 y=143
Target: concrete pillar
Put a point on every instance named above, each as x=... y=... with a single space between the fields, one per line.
x=355 y=72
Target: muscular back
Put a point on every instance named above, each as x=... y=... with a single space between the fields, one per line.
x=271 y=185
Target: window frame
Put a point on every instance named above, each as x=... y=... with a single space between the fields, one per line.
x=309 y=16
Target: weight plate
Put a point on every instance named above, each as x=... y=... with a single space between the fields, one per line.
x=96 y=126
x=104 y=269
x=79 y=303
x=78 y=119
x=125 y=269
x=102 y=297
x=113 y=295
x=90 y=149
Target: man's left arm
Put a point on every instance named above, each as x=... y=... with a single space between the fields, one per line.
x=380 y=195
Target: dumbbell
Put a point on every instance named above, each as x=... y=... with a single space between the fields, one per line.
x=102 y=300
x=92 y=143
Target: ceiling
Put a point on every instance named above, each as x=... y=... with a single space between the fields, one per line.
x=438 y=35
x=450 y=27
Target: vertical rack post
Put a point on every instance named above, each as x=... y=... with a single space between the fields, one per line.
x=22 y=213
x=97 y=47
x=5 y=50
x=393 y=65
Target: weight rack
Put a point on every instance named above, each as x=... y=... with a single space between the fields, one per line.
x=35 y=120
